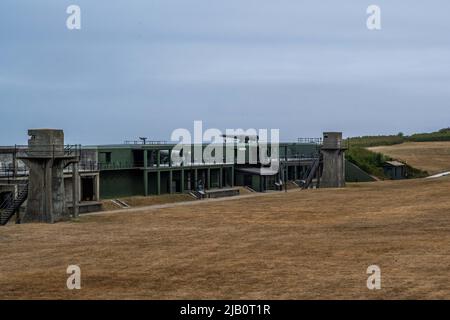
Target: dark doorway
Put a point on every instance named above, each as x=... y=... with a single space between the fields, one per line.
x=165 y=182
x=138 y=158
x=248 y=180
x=87 y=188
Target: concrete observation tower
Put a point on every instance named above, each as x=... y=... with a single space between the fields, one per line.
x=46 y=159
x=333 y=151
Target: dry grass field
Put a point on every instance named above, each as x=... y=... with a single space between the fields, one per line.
x=433 y=157
x=295 y=245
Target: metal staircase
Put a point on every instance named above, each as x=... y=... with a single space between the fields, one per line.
x=198 y=194
x=10 y=205
x=311 y=173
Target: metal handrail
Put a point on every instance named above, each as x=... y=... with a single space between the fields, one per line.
x=146 y=142
x=10 y=172
x=51 y=149
x=310 y=140
x=312 y=155
x=343 y=144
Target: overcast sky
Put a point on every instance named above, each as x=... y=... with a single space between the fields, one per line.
x=145 y=68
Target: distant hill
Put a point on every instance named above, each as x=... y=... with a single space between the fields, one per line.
x=388 y=140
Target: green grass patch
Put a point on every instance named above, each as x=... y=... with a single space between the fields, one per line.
x=370 y=162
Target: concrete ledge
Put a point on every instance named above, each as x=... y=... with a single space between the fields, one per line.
x=87 y=206
x=220 y=193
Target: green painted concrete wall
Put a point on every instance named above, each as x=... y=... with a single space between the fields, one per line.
x=215 y=178
x=239 y=179
x=353 y=173
x=125 y=155
x=256 y=183
x=115 y=182
x=165 y=182
x=152 y=183
x=121 y=183
x=120 y=157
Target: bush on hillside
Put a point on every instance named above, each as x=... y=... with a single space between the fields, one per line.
x=370 y=162
x=442 y=135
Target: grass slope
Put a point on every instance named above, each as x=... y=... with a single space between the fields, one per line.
x=364 y=152
x=433 y=157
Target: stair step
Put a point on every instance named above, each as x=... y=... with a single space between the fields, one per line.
x=14 y=205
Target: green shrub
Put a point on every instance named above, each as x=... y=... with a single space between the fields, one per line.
x=441 y=135
x=414 y=173
x=370 y=162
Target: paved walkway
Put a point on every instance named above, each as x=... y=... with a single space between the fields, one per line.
x=189 y=203
x=439 y=175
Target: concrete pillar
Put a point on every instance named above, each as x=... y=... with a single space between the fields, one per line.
x=46 y=159
x=75 y=190
x=182 y=181
x=220 y=177
x=158 y=157
x=204 y=178
x=15 y=163
x=333 y=151
x=170 y=181
x=208 y=186
x=319 y=174
x=285 y=167
x=145 y=173
x=48 y=188
x=17 y=215
x=97 y=187
x=189 y=180
x=195 y=179
x=145 y=159
x=170 y=157
x=158 y=182
x=232 y=176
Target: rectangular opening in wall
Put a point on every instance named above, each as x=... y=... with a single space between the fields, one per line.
x=104 y=157
x=87 y=188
